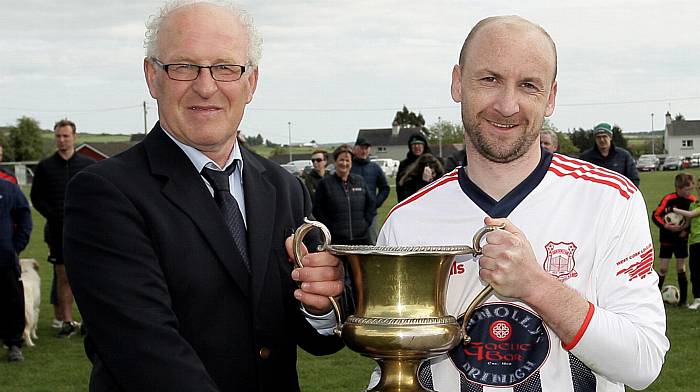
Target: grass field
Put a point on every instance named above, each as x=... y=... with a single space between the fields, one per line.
x=91 y=138
x=61 y=365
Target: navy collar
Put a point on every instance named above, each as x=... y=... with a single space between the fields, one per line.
x=503 y=207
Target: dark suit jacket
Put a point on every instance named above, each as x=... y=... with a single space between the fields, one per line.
x=168 y=304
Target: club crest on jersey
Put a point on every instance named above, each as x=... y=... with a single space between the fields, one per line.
x=509 y=344
x=560 y=260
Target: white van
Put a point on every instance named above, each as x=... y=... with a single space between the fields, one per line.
x=389 y=166
x=695 y=160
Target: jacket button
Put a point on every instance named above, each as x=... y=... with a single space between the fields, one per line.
x=264 y=353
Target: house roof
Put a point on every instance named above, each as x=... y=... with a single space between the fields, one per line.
x=384 y=137
x=684 y=128
x=107 y=149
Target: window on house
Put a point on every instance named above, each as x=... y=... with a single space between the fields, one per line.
x=687 y=143
x=381 y=149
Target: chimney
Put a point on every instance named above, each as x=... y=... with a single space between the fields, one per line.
x=395 y=128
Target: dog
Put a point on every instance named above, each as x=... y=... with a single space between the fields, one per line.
x=32 y=298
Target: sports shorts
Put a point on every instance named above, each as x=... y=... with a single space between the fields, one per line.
x=680 y=249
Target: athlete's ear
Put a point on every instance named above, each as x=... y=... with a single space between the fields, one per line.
x=456 y=88
x=551 y=100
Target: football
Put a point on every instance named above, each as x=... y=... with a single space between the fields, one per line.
x=670 y=294
x=674 y=218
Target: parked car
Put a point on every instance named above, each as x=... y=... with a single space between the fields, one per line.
x=695 y=160
x=300 y=166
x=672 y=163
x=648 y=162
x=291 y=169
x=389 y=166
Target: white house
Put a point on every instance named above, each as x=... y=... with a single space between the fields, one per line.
x=681 y=137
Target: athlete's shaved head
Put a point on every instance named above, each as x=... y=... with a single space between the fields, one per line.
x=513 y=20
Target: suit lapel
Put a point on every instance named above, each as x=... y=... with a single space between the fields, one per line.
x=260 y=197
x=185 y=189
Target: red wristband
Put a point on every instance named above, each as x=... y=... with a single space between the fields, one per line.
x=581 y=330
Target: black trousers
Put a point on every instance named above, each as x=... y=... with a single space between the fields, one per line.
x=694 y=264
x=11 y=306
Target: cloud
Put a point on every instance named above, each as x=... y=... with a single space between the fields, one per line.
x=75 y=56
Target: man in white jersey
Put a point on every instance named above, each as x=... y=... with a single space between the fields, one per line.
x=575 y=306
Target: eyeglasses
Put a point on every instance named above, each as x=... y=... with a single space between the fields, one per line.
x=189 y=72
x=314 y=160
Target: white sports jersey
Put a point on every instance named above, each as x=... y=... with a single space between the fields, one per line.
x=588 y=227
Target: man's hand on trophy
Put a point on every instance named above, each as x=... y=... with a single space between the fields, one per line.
x=321 y=277
x=508 y=263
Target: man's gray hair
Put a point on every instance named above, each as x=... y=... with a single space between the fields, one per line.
x=155 y=21
x=552 y=134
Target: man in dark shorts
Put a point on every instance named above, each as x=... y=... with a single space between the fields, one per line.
x=48 y=194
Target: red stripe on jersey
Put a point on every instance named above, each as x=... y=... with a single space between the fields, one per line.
x=622 y=192
x=452 y=176
x=587 y=166
x=582 y=330
x=562 y=160
x=586 y=173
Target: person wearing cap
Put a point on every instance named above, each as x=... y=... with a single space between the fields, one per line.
x=374 y=177
x=605 y=154
x=417 y=146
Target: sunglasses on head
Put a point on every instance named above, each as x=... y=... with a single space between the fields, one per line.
x=316 y=160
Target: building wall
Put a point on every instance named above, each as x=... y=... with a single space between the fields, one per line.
x=674 y=145
x=90 y=153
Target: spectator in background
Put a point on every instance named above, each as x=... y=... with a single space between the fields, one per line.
x=549 y=140
x=15 y=228
x=343 y=203
x=417 y=146
x=4 y=173
x=319 y=160
x=374 y=177
x=457 y=158
x=673 y=238
x=693 y=247
x=420 y=173
x=605 y=154
x=48 y=194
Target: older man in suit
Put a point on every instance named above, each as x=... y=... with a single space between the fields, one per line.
x=184 y=282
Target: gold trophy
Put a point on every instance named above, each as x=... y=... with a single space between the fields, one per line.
x=400 y=318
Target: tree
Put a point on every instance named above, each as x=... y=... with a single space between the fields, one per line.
x=679 y=117
x=24 y=141
x=405 y=119
x=255 y=140
x=582 y=139
x=451 y=133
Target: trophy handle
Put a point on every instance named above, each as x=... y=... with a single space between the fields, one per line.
x=486 y=291
x=298 y=237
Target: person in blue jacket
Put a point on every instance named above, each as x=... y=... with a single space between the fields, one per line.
x=15 y=229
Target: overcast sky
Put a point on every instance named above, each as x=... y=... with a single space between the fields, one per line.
x=333 y=67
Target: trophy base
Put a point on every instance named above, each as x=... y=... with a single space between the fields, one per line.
x=400 y=345
x=399 y=375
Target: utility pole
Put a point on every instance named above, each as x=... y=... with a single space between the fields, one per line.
x=289 y=146
x=652 y=134
x=145 y=121
x=440 y=134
